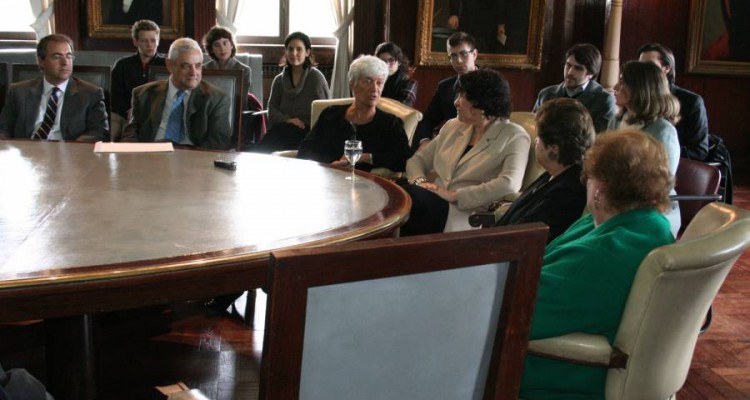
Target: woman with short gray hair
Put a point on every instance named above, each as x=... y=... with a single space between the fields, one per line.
x=384 y=142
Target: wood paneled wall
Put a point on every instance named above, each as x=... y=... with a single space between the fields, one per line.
x=567 y=22
x=570 y=21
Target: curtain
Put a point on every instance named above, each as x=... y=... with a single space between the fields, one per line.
x=343 y=13
x=226 y=13
x=43 y=10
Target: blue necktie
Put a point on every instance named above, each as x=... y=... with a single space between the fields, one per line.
x=175 y=127
x=50 y=113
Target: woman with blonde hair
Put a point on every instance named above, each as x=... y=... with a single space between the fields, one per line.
x=646 y=104
x=587 y=271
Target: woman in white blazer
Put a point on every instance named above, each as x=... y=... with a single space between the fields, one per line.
x=478 y=157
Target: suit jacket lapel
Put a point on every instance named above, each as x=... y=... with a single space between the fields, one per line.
x=31 y=103
x=195 y=103
x=460 y=146
x=493 y=131
x=158 y=100
x=71 y=105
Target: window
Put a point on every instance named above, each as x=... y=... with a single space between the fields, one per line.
x=265 y=22
x=16 y=19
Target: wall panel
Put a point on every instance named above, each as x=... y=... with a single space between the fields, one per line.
x=571 y=21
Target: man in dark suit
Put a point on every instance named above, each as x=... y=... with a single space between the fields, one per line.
x=692 y=128
x=582 y=63
x=462 y=54
x=55 y=106
x=182 y=109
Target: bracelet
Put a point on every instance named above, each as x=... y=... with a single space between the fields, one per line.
x=418 y=180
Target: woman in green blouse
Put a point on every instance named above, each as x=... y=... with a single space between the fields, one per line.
x=588 y=270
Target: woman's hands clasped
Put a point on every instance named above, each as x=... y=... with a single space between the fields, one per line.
x=446 y=194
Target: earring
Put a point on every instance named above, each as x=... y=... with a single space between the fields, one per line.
x=597 y=201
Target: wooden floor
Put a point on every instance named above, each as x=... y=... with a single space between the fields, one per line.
x=221 y=356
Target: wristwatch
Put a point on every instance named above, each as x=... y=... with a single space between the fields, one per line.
x=418 y=180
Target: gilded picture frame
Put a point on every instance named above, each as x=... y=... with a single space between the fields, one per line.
x=112 y=19
x=718 y=40
x=509 y=33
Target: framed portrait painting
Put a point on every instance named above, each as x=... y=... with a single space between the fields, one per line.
x=508 y=33
x=719 y=37
x=113 y=18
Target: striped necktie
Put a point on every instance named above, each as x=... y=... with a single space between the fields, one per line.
x=175 y=126
x=49 y=116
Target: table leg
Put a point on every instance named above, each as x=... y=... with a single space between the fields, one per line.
x=70 y=357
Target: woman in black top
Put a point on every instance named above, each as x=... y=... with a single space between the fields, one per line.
x=384 y=142
x=557 y=198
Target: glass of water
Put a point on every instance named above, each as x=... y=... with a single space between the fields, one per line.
x=352 y=152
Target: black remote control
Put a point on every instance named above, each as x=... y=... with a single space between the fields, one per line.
x=230 y=165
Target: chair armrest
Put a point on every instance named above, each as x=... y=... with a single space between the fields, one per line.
x=386 y=173
x=486 y=219
x=285 y=153
x=255 y=113
x=483 y=219
x=695 y=197
x=580 y=348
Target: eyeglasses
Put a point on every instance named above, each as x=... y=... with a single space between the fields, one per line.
x=463 y=55
x=59 y=57
x=390 y=60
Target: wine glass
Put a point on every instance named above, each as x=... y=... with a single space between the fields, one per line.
x=352 y=152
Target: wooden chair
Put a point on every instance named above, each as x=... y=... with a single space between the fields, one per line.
x=672 y=290
x=232 y=83
x=442 y=316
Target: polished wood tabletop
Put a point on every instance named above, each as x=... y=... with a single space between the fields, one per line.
x=86 y=232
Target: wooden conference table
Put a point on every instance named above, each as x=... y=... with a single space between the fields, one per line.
x=82 y=232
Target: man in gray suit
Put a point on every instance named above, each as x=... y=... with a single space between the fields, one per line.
x=183 y=109
x=55 y=106
x=582 y=63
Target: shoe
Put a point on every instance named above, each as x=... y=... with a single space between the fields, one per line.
x=217 y=307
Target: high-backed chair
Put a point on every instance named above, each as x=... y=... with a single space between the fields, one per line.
x=463 y=220
x=672 y=290
x=232 y=83
x=408 y=115
x=386 y=319
x=93 y=74
x=4 y=82
x=533 y=169
x=696 y=184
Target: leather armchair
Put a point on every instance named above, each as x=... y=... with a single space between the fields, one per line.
x=671 y=293
x=408 y=115
x=533 y=170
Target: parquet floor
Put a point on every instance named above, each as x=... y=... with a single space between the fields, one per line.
x=141 y=349
x=721 y=363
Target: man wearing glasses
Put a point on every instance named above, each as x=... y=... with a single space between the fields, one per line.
x=582 y=63
x=55 y=106
x=462 y=54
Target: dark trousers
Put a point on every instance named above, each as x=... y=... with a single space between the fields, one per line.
x=281 y=137
x=429 y=212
